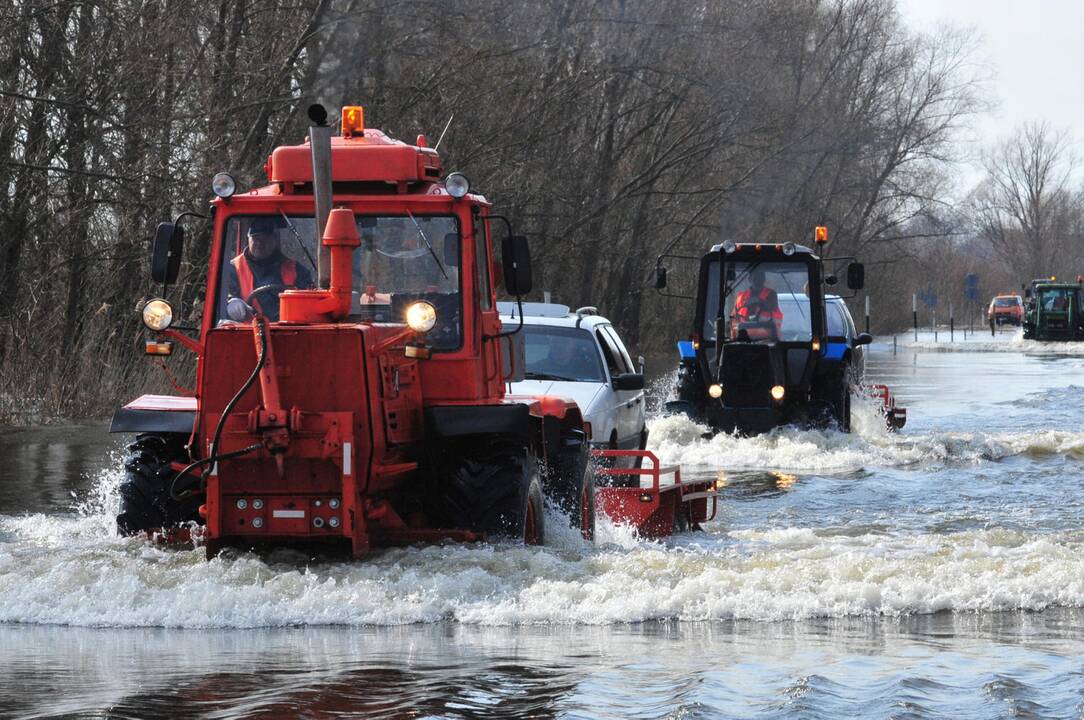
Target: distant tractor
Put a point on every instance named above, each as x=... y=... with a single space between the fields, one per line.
x=1054 y=311
x=761 y=353
x=351 y=365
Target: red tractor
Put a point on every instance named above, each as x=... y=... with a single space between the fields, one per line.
x=351 y=366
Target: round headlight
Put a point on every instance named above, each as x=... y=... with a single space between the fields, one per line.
x=716 y=391
x=421 y=316
x=157 y=314
x=223 y=185
x=729 y=246
x=777 y=392
x=788 y=248
x=457 y=184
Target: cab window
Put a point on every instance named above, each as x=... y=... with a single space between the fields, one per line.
x=613 y=358
x=402 y=259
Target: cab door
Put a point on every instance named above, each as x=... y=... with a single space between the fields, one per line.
x=630 y=403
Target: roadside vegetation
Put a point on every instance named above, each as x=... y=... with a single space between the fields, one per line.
x=607 y=130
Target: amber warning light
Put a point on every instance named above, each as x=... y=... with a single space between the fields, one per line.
x=353 y=120
x=820 y=234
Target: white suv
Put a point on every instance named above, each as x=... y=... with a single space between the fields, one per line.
x=578 y=355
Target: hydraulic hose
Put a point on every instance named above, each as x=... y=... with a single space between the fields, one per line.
x=213 y=455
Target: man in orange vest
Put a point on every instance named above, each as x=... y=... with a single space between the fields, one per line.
x=262 y=263
x=758 y=304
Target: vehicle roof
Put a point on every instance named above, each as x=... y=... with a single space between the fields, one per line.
x=536 y=313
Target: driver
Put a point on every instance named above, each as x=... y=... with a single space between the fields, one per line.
x=262 y=263
x=758 y=304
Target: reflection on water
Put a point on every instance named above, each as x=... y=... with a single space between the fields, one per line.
x=934 y=573
x=827 y=668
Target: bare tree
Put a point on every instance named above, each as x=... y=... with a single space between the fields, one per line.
x=1025 y=208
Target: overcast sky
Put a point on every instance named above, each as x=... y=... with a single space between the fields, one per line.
x=1035 y=49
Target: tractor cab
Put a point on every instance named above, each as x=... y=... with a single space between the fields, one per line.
x=761 y=353
x=1055 y=311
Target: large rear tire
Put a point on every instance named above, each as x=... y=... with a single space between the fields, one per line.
x=571 y=483
x=145 y=501
x=494 y=489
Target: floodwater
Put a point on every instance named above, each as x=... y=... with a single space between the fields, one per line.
x=937 y=572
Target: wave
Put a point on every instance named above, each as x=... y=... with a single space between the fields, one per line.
x=676 y=439
x=73 y=570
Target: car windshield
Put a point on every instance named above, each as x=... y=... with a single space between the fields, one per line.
x=560 y=353
x=763 y=302
x=1006 y=302
x=401 y=259
x=1055 y=299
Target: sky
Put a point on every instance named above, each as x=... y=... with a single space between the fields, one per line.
x=1035 y=50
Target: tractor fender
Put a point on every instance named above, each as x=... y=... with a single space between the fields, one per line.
x=156 y=414
x=450 y=421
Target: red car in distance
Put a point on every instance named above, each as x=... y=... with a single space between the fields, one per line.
x=1006 y=309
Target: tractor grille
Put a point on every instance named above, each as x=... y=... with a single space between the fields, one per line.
x=746 y=375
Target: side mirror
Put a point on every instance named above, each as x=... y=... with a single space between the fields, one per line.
x=1027 y=293
x=660 y=277
x=516 y=259
x=863 y=339
x=629 y=381
x=830 y=280
x=641 y=364
x=166 y=252
x=856 y=276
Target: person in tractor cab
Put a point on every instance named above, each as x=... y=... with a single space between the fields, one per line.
x=756 y=310
x=261 y=264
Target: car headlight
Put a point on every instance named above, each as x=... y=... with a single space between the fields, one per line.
x=715 y=391
x=223 y=185
x=421 y=316
x=457 y=184
x=157 y=314
x=778 y=391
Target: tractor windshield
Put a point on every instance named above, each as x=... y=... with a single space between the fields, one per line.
x=761 y=302
x=401 y=259
x=1056 y=299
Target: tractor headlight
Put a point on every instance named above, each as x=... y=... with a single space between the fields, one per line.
x=457 y=184
x=788 y=248
x=157 y=314
x=421 y=316
x=729 y=246
x=778 y=392
x=223 y=185
x=716 y=391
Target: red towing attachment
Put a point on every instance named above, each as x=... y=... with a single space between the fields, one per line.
x=896 y=417
x=659 y=510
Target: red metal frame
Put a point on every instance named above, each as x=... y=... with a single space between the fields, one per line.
x=896 y=417
x=653 y=511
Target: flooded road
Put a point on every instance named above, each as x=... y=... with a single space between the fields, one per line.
x=937 y=572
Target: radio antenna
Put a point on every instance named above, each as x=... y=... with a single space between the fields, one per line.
x=444 y=131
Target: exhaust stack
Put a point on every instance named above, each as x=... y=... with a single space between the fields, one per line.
x=320 y=145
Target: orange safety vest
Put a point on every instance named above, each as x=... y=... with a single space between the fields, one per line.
x=742 y=308
x=287 y=271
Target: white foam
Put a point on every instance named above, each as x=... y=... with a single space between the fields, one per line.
x=69 y=570
x=676 y=439
x=1003 y=343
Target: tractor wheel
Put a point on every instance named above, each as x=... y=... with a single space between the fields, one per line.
x=837 y=391
x=571 y=483
x=145 y=501
x=495 y=490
